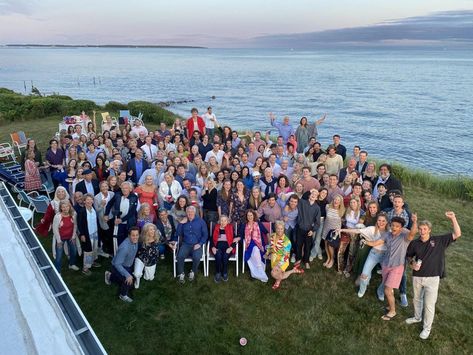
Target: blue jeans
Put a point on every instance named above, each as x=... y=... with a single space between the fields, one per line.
x=221 y=259
x=316 y=249
x=184 y=251
x=374 y=257
x=59 y=251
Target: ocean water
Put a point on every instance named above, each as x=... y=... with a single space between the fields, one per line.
x=413 y=106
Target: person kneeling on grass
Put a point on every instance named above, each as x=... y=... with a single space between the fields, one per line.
x=397 y=242
x=193 y=233
x=122 y=263
x=427 y=260
x=223 y=245
x=147 y=256
x=280 y=251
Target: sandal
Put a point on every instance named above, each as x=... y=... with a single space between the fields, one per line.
x=387 y=317
x=276 y=285
x=297 y=269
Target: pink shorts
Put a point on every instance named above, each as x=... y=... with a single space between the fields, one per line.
x=392 y=276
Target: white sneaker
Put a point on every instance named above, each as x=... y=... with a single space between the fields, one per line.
x=311 y=259
x=424 y=334
x=181 y=278
x=413 y=320
x=73 y=267
x=107 y=278
x=293 y=259
x=320 y=257
x=191 y=276
x=103 y=254
x=125 y=299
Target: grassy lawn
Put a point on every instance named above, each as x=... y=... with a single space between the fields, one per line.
x=318 y=312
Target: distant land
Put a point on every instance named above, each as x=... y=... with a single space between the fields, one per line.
x=100 y=46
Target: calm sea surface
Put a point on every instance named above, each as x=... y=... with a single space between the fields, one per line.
x=412 y=106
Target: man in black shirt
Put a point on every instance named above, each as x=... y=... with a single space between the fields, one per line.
x=427 y=260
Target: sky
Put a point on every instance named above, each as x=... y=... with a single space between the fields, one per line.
x=214 y=23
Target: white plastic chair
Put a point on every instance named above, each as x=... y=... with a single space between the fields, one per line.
x=267 y=225
x=235 y=257
x=188 y=260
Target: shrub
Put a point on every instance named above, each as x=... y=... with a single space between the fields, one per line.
x=114 y=106
x=46 y=106
x=75 y=107
x=61 y=97
x=151 y=112
x=6 y=91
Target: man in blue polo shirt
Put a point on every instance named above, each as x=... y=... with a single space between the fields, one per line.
x=193 y=234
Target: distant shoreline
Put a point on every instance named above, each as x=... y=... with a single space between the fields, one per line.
x=101 y=46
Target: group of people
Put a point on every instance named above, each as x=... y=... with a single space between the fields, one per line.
x=137 y=195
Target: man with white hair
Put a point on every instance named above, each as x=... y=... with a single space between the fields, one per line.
x=267 y=183
x=284 y=169
x=124 y=206
x=284 y=128
x=193 y=234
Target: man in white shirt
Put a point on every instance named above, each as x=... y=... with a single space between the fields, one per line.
x=150 y=149
x=210 y=120
x=215 y=152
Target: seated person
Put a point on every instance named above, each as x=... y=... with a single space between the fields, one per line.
x=193 y=234
x=223 y=246
x=279 y=251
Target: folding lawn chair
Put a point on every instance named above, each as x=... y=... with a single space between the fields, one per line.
x=187 y=260
x=211 y=257
x=19 y=140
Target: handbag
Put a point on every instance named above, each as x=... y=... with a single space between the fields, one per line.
x=333 y=238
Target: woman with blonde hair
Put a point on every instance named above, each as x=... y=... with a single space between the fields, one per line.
x=60 y=194
x=370 y=173
x=376 y=253
x=214 y=167
x=333 y=221
x=144 y=215
x=147 y=255
x=203 y=175
x=255 y=198
x=352 y=218
x=65 y=235
x=279 y=252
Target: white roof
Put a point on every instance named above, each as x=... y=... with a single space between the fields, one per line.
x=31 y=321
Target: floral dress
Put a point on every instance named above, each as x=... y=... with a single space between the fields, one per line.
x=32 y=176
x=148 y=253
x=239 y=207
x=280 y=250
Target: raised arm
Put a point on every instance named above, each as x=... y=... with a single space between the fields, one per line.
x=321 y=120
x=413 y=231
x=349 y=230
x=456 y=227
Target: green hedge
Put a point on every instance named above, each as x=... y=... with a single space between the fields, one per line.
x=14 y=106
